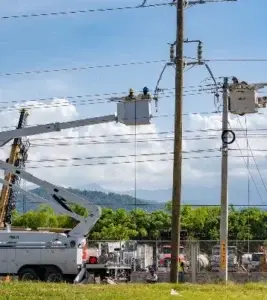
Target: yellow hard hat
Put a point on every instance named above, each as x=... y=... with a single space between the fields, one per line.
x=131 y=90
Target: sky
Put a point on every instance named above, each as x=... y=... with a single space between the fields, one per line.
x=227 y=30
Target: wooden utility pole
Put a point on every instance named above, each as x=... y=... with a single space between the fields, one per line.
x=178 y=128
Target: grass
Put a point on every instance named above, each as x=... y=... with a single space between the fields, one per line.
x=32 y=291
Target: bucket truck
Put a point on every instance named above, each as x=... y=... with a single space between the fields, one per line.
x=51 y=256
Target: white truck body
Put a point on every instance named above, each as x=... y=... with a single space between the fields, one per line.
x=14 y=256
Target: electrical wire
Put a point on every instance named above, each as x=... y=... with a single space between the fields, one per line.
x=250 y=174
x=82 y=102
x=115 y=163
x=147 y=134
x=124 y=162
x=65 y=13
x=82 y=68
x=190 y=88
x=120 y=156
x=236 y=60
x=248 y=146
x=127 y=141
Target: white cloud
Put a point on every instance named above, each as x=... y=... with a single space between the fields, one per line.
x=113 y=139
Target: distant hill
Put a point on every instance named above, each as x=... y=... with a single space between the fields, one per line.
x=103 y=199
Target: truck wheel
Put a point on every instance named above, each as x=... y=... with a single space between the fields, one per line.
x=28 y=275
x=53 y=275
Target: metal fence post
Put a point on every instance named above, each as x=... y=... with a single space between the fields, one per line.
x=194 y=253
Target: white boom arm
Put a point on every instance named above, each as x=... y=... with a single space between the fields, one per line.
x=35 y=197
x=61 y=197
x=129 y=113
x=7 y=136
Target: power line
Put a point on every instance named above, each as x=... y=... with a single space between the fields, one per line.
x=82 y=68
x=115 y=163
x=121 y=156
x=124 y=162
x=65 y=13
x=82 y=102
x=236 y=60
x=253 y=158
x=122 y=135
x=126 y=141
x=144 y=134
x=247 y=166
x=192 y=88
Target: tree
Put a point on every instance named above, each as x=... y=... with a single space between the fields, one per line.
x=201 y=223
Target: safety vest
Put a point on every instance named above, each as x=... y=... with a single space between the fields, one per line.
x=180 y=269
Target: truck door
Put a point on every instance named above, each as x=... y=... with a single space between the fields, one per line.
x=3 y=261
x=12 y=266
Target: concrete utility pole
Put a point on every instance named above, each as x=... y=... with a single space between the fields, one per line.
x=178 y=136
x=224 y=188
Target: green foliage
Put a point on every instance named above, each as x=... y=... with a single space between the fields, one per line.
x=201 y=223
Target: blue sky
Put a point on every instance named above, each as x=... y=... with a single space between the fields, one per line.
x=228 y=30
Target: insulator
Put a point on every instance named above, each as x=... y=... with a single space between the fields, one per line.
x=200 y=52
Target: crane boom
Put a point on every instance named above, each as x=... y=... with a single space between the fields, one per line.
x=5 y=206
x=6 y=136
x=129 y=113
x=40 y=199
x=62 y=198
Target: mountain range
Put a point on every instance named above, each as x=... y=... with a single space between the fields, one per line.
x=197 y=194
x=151 y=200
x=101 y=198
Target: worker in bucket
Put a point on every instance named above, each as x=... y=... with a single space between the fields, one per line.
x=146 y=94
x=181 y=270
x=152 y=276
x=131 y=95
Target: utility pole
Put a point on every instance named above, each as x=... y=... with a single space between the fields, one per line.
x=178 y=135
x=224 y=188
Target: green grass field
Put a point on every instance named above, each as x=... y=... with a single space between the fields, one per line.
x=31 y=291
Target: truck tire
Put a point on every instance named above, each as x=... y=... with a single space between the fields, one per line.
x=53 y=275
x=28 y=274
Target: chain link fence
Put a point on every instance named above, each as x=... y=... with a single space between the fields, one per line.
x=245 y=258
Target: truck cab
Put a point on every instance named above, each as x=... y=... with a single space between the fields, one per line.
x=165 y=255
